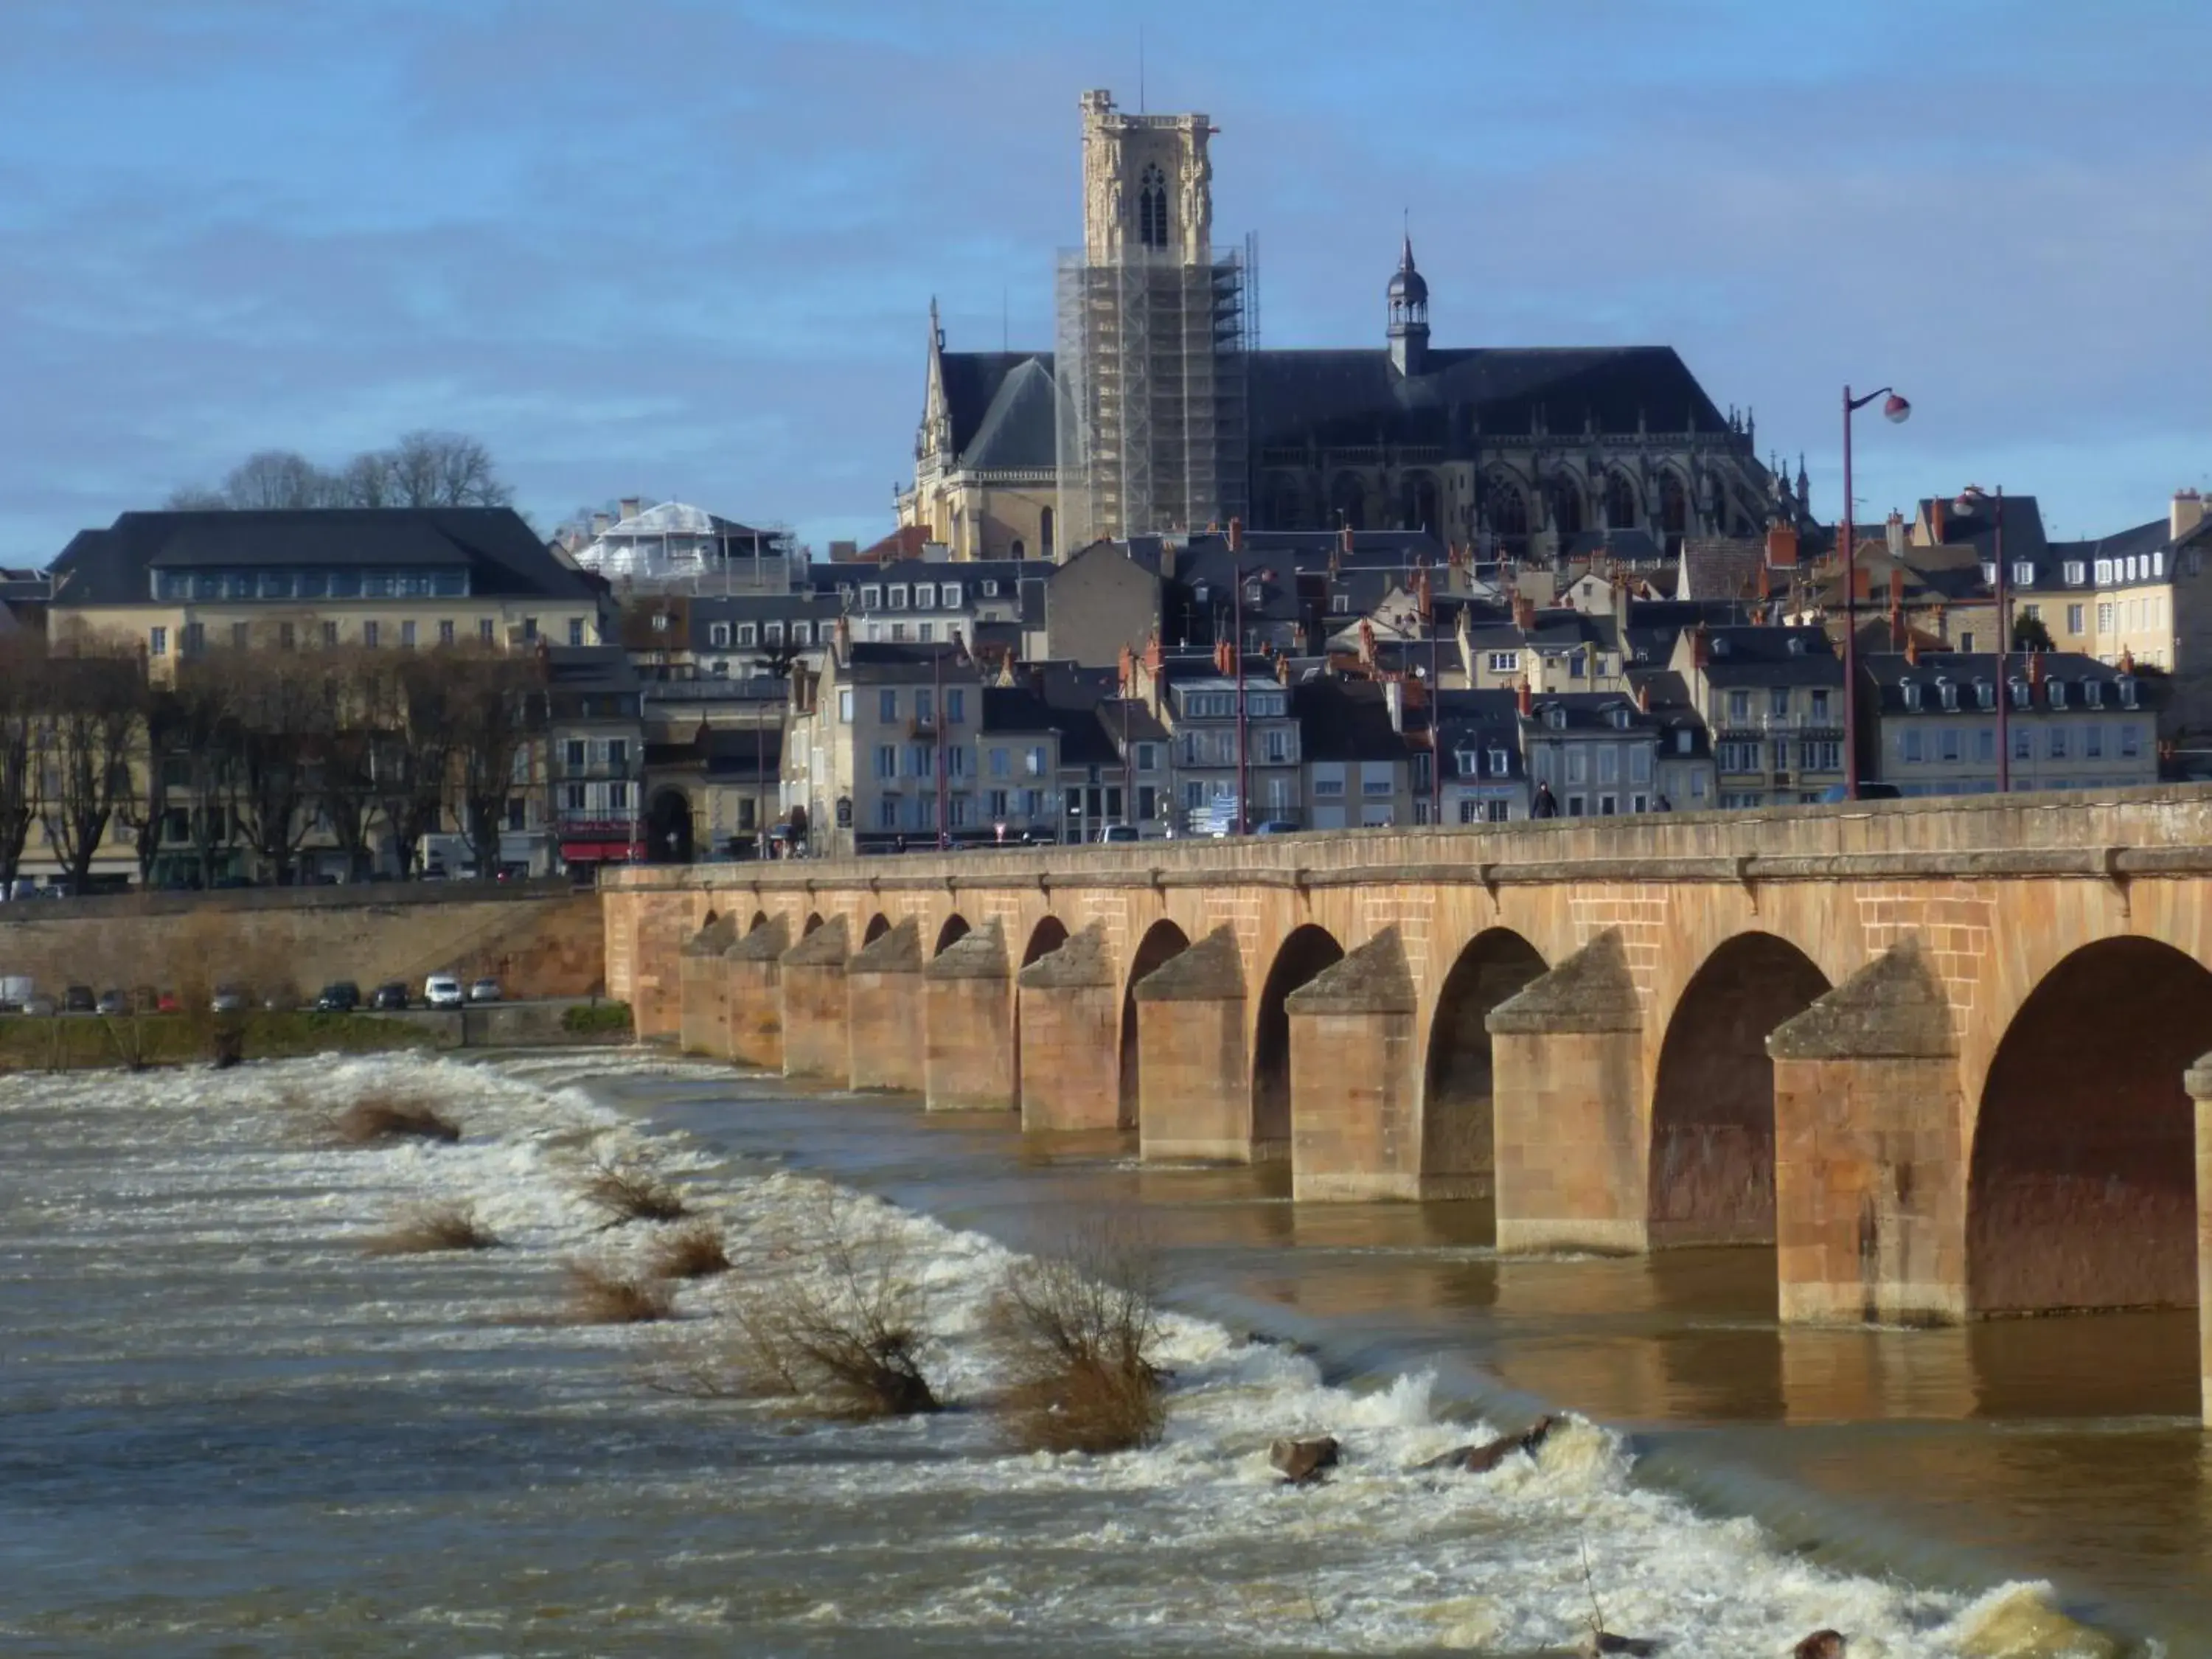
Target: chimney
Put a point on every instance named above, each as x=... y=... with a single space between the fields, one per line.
x=1935 y=519
x=1523 y=699
x=844 y=637
x=1899 y=635
x=1862 y=583
x=601 y=523
x=1700 y=646
x=2035 y=668
x=1367 y=641
x=1644 y=696
x=1943 y=625
x=630 y=504
x=1344 y=539
x=1912 y=649
x=1766 y=581
x=1128 y=667
x=1897 y=587
x=1166 y=560
x=2187 y=514
x=1781 y=545
x=1895 y=529
x=1524 y=613
x=1237 y=535
x=1154 y=656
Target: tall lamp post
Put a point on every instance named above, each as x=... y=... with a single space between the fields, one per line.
x=1896 y=409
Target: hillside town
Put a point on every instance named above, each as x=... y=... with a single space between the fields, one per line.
x=1159 y=582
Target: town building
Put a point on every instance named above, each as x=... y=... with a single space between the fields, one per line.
x=1930 y=721
x=1485 y=781
x=675 y=544
x=1358 y=768
x=1196 y=702
x=1771 y=700
x=1596 y=753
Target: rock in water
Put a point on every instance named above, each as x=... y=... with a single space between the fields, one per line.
x=1605 y=1642
x=1481 y=1460
x=1302 y=1462
x=1820 y=1645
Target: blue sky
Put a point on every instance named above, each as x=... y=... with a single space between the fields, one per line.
x=685 y=248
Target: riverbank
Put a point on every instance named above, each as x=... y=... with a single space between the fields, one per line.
x=96 y=1041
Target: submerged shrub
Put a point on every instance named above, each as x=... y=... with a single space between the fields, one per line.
x=433 y=1228
x=694 y=1251
x=375 y=1120
x=629 y=1191
x=845 y=1326
x=599 y=1296
x=1078 y=1331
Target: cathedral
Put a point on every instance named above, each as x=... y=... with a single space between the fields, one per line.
x=1157 y=412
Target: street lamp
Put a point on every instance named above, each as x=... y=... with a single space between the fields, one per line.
x=1896 y=410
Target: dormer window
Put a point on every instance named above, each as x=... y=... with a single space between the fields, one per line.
x=1556 y=718
x=1683 y=738
x=2127 y=684
x=1252 y=593
x=2058 y=694
x=951 y=596
x=1500 y=763
x=1469 y=762
x=1948 y=692
x=2077 y=573
x=2104 y=572
x=925 y=596
x=1911 y=691
x=1988 y=572
x=1984 y=693
x=1620 y=719
x=871 y=598
x=2158 y=565
x=2018 y=694
x=1720 y=645
x=2092 y=693
x=718 y=633
x=990 y=588
x=897 y=596
x=2023 y=573
x=1340 y=603
x=1796 y=644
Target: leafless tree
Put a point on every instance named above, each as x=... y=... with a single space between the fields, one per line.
x=494 y=706
x=366 y=481
x=445 y=469
x=412 y=746
x=276 y=479
x=95 y=711
x=280 y=705
x=344 y=775
x=20 y=750
x=195 y=498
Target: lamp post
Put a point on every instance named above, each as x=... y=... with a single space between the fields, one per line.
x=1896 y=409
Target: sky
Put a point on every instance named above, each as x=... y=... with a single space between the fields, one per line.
x=685 y=249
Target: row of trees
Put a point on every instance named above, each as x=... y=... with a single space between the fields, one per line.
x=422 y=469
x=260 y=748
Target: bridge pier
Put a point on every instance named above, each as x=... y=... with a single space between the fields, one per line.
x=969 y=1057
x=1195 y=1076
x=1355 y=1078
x=1869 y=1173
x=1572 y=1150
x=703 y=1011
x=816 y=1013
x=752 y=980
x=1069 y=1008
x=885 y=1009
x=2199 y=1082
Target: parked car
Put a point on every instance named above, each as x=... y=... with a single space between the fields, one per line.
x=339 y=997
x=483 y=990
x=1115 y=833
x=1275 y=827
x=441 y=991
x=78 y=999
x=230 y=999
x=114 y=1002
x=168 y=1003
x=388 y=997
x=40 y=1004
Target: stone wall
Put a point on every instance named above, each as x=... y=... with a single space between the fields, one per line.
x=538 y=939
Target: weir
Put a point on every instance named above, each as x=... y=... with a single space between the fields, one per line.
x=1865 y=1038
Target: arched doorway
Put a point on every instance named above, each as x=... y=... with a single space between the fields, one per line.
x=668 y=829
x=1307 y=951
x=1456 y=1100
x=1712 y=1177
x=1161 y=941
x=954 y=930
x=2082 y=1191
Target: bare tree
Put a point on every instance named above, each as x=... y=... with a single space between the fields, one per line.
x=445 y=469
x=276 y=479
x=20 y=750
x=366 y=481
x=96 y=705
x=344 y=775
x=195 y=498
x=493 y=705
x=279 y=704
x=409 y=760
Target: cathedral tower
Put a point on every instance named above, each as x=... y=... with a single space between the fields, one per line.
x=1149 y=365
x=1409 y=315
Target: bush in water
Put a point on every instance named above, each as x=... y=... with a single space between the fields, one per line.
x=1077 y=1330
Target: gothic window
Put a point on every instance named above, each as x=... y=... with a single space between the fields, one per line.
x=1286 y=501
x=1044 y=532
x=1620 y=501
x=1153 y=207
x=1347 y=500
x=1419 y=504
x=1508 y=508
x=1674 y=505
x=1566 y=506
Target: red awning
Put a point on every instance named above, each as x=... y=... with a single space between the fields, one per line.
x=603 y=852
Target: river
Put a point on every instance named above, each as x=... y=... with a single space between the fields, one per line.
x=227 y=1430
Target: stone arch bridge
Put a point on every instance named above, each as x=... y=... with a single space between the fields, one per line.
x=1936 y=1054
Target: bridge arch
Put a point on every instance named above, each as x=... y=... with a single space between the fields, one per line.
x=878 y=925
x=1712 y=1171
x=1048 y=935
x=1303 y=953
x=1456 y=1094
x=2081 y=1186
x=1163 y=941
x=813 y=921
x=954 y=930
x=759 y=921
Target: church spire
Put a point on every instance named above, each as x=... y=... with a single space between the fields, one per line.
x=1409 y=313
x=935 y=437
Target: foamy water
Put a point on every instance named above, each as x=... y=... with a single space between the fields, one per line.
x=229 y=1428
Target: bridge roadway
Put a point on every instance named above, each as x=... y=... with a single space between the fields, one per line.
x=1937 y=1053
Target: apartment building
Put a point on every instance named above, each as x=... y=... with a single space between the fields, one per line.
x=1485 y=781
x=1930 y=722
x=1358 y=768
x=1771 y=700
x=1595 y=752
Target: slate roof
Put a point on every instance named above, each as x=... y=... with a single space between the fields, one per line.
x=1763 y=656
x=1473 y=723
x=1016 y=431
x=1345 y=720
x=502 y=554
x=1889 y=671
